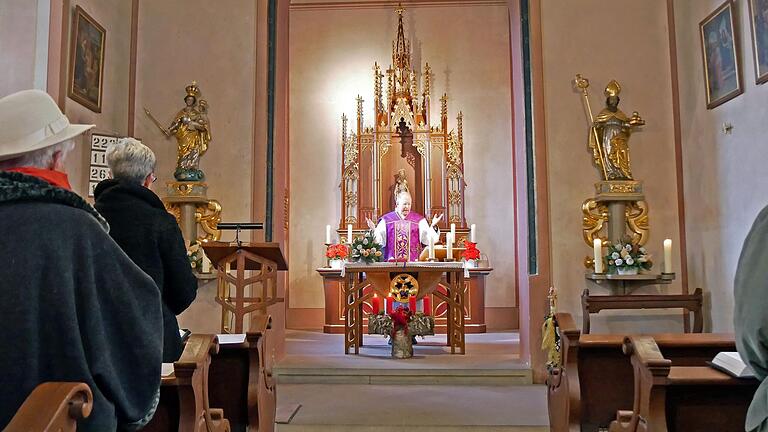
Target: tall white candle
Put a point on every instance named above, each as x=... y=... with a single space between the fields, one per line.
x=349 y=233
x=668 y=256
x=597 y=246
x=449 y=246
x=431 y=248
x=327 y=234
x=472 y=233
x=453 y=230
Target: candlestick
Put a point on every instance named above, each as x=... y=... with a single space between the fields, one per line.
x=349 y=233
x=376 y=304
x=472 y=233
x=597 y=246
x=412 y=303
x=668 y=256
x=427 y=305
x=327 y=234
x=389 y=304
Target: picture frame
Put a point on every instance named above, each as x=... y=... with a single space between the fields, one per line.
x=720 y=56
x=758 y=20
x=86 y=61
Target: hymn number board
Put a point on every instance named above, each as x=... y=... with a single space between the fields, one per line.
x=98 y=169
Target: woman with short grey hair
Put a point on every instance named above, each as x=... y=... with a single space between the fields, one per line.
x=148 y=234
x=132 y=161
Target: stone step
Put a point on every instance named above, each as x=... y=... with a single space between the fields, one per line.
x=446 y=376
x=342 y=407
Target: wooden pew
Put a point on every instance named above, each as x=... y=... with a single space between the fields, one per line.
x=53 y=406
x=184 y=402
x=681 y=398
x=596 y=378
x=241 y=384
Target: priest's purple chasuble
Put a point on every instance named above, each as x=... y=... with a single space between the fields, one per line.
x=402 y=236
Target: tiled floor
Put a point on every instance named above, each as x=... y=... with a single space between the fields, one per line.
x=488 y=389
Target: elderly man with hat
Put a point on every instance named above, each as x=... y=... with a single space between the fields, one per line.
x=74 y=306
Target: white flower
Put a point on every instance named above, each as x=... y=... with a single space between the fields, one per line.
x=619 y=262
x=365 y=241
x=642 y=259
x=628 y=247
x=618 y=247
x=360 y=247
x=630 y=261
x=615 y=255
x=642 y=250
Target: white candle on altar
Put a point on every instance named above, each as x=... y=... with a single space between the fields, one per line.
x=668 y=256
x=449 y=246
x=597 y=245
x=453 y=230
x=472 y=233
x=431 y=248
x=349 y=233
x=327 y=234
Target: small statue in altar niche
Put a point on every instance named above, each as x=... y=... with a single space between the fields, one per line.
x=192 y=131
x=402 y=232
x=609 y=133
x=401 y=182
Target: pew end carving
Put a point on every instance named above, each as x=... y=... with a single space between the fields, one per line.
x=680 y=398
x=184 y=396
x=53 y=406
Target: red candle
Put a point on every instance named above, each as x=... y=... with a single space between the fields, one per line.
x=427 y=305
x=389 y=304
x=412 y=303
x=376 y=304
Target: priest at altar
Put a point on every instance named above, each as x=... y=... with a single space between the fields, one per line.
x=402 y=232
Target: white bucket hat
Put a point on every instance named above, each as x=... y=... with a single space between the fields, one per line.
x=30 y=120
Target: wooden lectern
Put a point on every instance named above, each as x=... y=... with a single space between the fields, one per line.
x=254 y=291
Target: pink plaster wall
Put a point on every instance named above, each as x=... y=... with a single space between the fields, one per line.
x=18 y=19
x=115 y=17
x=627 y=41
x=724 y=175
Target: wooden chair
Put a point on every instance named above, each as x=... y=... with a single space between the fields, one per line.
x=184 y=401
x=596 y=378
x=241 y=384
x=53 y=406
x=681 y=398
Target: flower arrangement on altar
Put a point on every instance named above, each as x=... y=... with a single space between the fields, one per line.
x=195 y=255
x=627 y=258
x=471 y=252
x=337 y=251
x=366 y=249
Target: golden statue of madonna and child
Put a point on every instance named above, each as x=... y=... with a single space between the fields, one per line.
x=192 y=131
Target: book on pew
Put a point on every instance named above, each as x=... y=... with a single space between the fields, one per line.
x=732 y=364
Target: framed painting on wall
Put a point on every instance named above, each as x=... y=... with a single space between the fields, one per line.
x=86 y=61
x=758 y=18
x=722 y=77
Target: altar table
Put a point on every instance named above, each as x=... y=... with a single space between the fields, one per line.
x=378 y=276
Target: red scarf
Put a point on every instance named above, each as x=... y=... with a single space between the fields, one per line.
x=56 y=178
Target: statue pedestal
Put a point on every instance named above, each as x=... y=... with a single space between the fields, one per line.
x=616 y=194
x=189 y=203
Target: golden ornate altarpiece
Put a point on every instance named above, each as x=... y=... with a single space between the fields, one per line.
x=402 y=148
